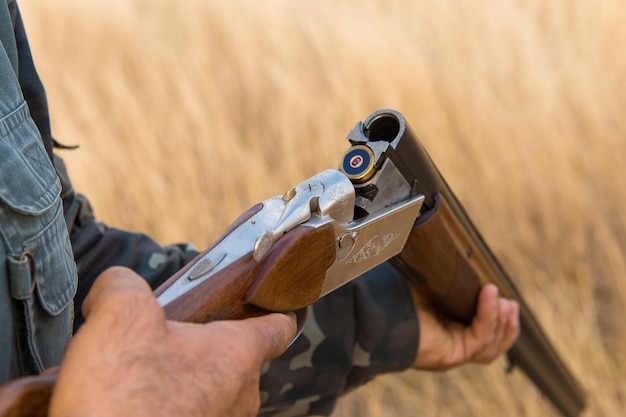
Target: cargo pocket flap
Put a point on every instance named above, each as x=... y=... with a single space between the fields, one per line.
x=55 y=276
x=30 y=185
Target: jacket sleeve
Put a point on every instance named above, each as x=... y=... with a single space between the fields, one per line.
x=364 y=329
x=97 y=246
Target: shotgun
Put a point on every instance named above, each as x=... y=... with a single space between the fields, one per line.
x=446 y=257
x=386 y=202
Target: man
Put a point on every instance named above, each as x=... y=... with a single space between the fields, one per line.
x=126 y=358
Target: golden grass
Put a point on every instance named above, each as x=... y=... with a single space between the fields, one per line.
x=187 y=113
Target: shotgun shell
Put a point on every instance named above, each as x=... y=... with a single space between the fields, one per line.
x=358 y=164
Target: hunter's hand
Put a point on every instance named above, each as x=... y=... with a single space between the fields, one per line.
x=445 y=344
x=128 y=360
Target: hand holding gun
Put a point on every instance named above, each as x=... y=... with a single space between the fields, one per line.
x=387 y=202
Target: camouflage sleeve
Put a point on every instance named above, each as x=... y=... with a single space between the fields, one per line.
x=97 y=247
x=363 y=329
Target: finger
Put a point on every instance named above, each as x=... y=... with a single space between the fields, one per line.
x=274 y=332
x=512 y=330
x=50 y=371
x=483 y=327
x=506 y=333
x=115 y=283
x=504 y=308
x=493 y=348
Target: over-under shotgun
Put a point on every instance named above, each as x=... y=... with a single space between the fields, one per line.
x=387 y=202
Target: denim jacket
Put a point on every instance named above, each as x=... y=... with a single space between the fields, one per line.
x=38 y=279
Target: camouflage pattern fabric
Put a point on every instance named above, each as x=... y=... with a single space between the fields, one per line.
x=364 y=329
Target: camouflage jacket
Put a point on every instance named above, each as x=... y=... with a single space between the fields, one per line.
x=363 y=329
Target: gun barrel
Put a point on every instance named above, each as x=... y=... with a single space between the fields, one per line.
x=448 y=259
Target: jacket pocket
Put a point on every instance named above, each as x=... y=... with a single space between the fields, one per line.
x=42 y=272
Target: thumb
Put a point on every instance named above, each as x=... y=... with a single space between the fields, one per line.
x=117 y=286
x=274 y=333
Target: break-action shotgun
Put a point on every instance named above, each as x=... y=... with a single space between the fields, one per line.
x=387 y=202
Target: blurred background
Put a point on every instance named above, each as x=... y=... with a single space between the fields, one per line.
x=189 y=112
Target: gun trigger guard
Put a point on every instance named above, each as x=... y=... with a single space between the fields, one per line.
x=301 y=316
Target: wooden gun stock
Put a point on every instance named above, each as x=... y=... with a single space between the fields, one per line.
x=248 y=288
x=27 y=397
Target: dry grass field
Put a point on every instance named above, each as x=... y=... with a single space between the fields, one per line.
x=188 y=112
